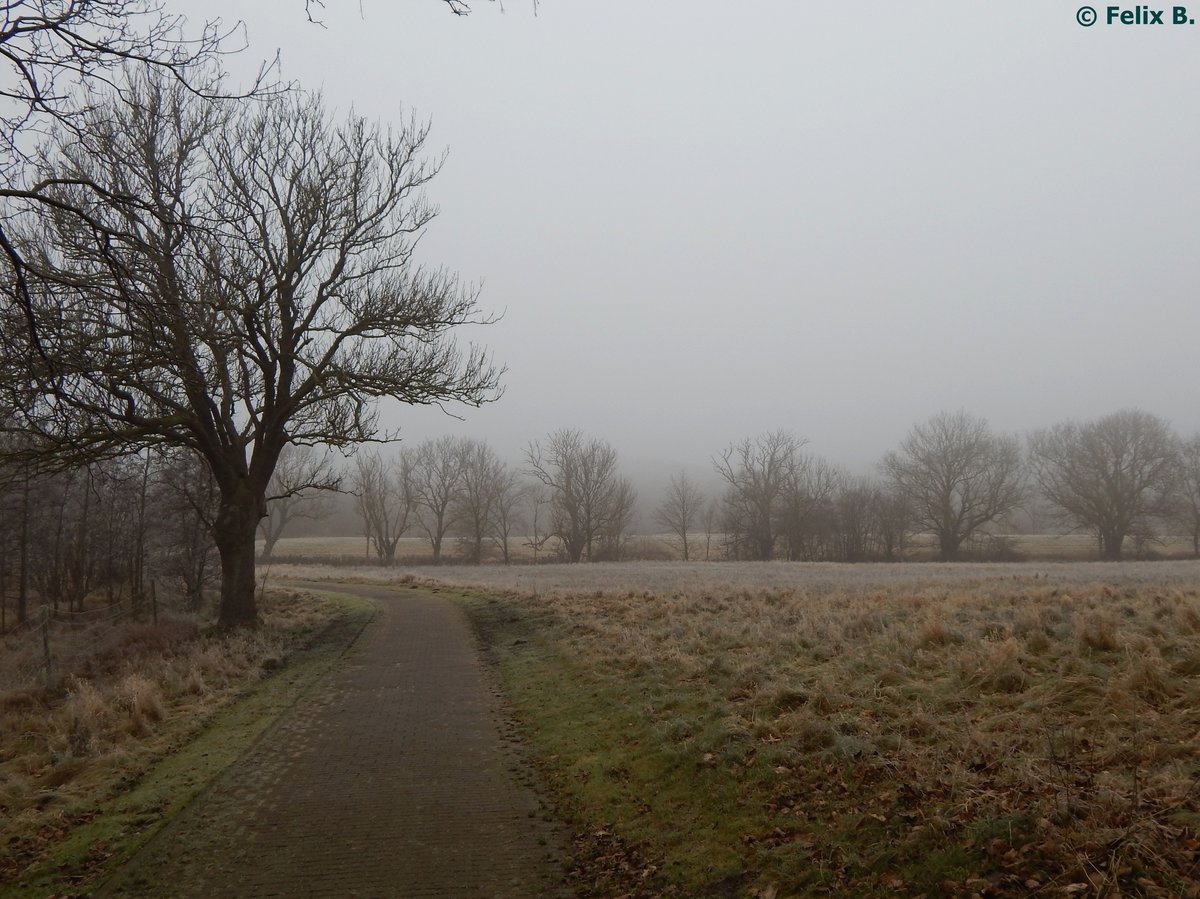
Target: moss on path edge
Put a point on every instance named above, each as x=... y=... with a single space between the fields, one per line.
x=123 y=823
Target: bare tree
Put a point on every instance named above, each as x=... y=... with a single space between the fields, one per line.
x=806 y=515
x=957 y=475
x=709 y=517
x=437 y=472
x=894 y=518
x=540 y=518
x=1110 y=475
x=481 y=484
x=59 y=51
x=856 y=529
x=1187 y=496
x=681 y=509
x=614 y=529
x=57 y=47
x=758 y=472
x=383 y=492
x=511 y=495
x=298 y=489
x=588 y=498
x=265 y=295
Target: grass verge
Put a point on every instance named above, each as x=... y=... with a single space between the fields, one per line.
x=92 y=836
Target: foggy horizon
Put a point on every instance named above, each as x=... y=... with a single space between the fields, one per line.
x=701 y=222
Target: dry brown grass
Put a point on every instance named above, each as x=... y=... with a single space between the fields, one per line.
x=1000 y=730
x=117 y=698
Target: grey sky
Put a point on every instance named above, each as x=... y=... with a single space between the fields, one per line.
x=704 y=219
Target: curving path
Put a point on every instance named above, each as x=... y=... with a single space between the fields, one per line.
x=401 y=778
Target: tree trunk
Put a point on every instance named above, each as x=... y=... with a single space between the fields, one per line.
x=766 y=547
x=234 y=533
x=574 y=548
x=273 y=524
x=949 y=544
x=1111 y=542
x=23 y=558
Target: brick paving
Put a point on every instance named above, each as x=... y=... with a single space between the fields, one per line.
x=401 y=776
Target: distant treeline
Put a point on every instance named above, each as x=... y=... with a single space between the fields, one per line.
x=105 y=528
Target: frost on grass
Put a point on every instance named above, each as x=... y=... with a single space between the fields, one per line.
x=955 y=730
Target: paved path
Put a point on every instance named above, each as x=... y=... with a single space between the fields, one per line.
x=399 y=777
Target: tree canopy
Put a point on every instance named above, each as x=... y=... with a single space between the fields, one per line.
x=261 y=291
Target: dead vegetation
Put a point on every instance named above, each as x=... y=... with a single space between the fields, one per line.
x=117 y=698
x=952 y=731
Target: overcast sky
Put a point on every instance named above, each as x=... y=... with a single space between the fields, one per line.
x=705 y=219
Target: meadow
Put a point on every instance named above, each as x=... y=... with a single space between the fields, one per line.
x=792 y=729
x=414 y=550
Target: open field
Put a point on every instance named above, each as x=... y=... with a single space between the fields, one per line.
x=777 y=730
x=727 y=577
x=1046 y=547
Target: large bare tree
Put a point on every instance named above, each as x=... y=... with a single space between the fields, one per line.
x=1109 y=475
x=957 y=475
x=264 y=292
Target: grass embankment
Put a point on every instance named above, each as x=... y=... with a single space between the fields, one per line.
x=1002 y=737
x=94 y=765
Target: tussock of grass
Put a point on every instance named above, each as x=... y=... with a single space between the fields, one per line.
x=120 y=697
x=972 y=734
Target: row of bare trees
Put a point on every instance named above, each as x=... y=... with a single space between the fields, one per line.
x=1116 y=477
x=952 y=478
x=441 y=487
x=569 y=489
x=780 y=502
x=107 y=527
x=1119 y=476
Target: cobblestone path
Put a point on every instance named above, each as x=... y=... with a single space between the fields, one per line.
x=398 y=776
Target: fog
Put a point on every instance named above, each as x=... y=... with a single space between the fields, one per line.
x=703 y=220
